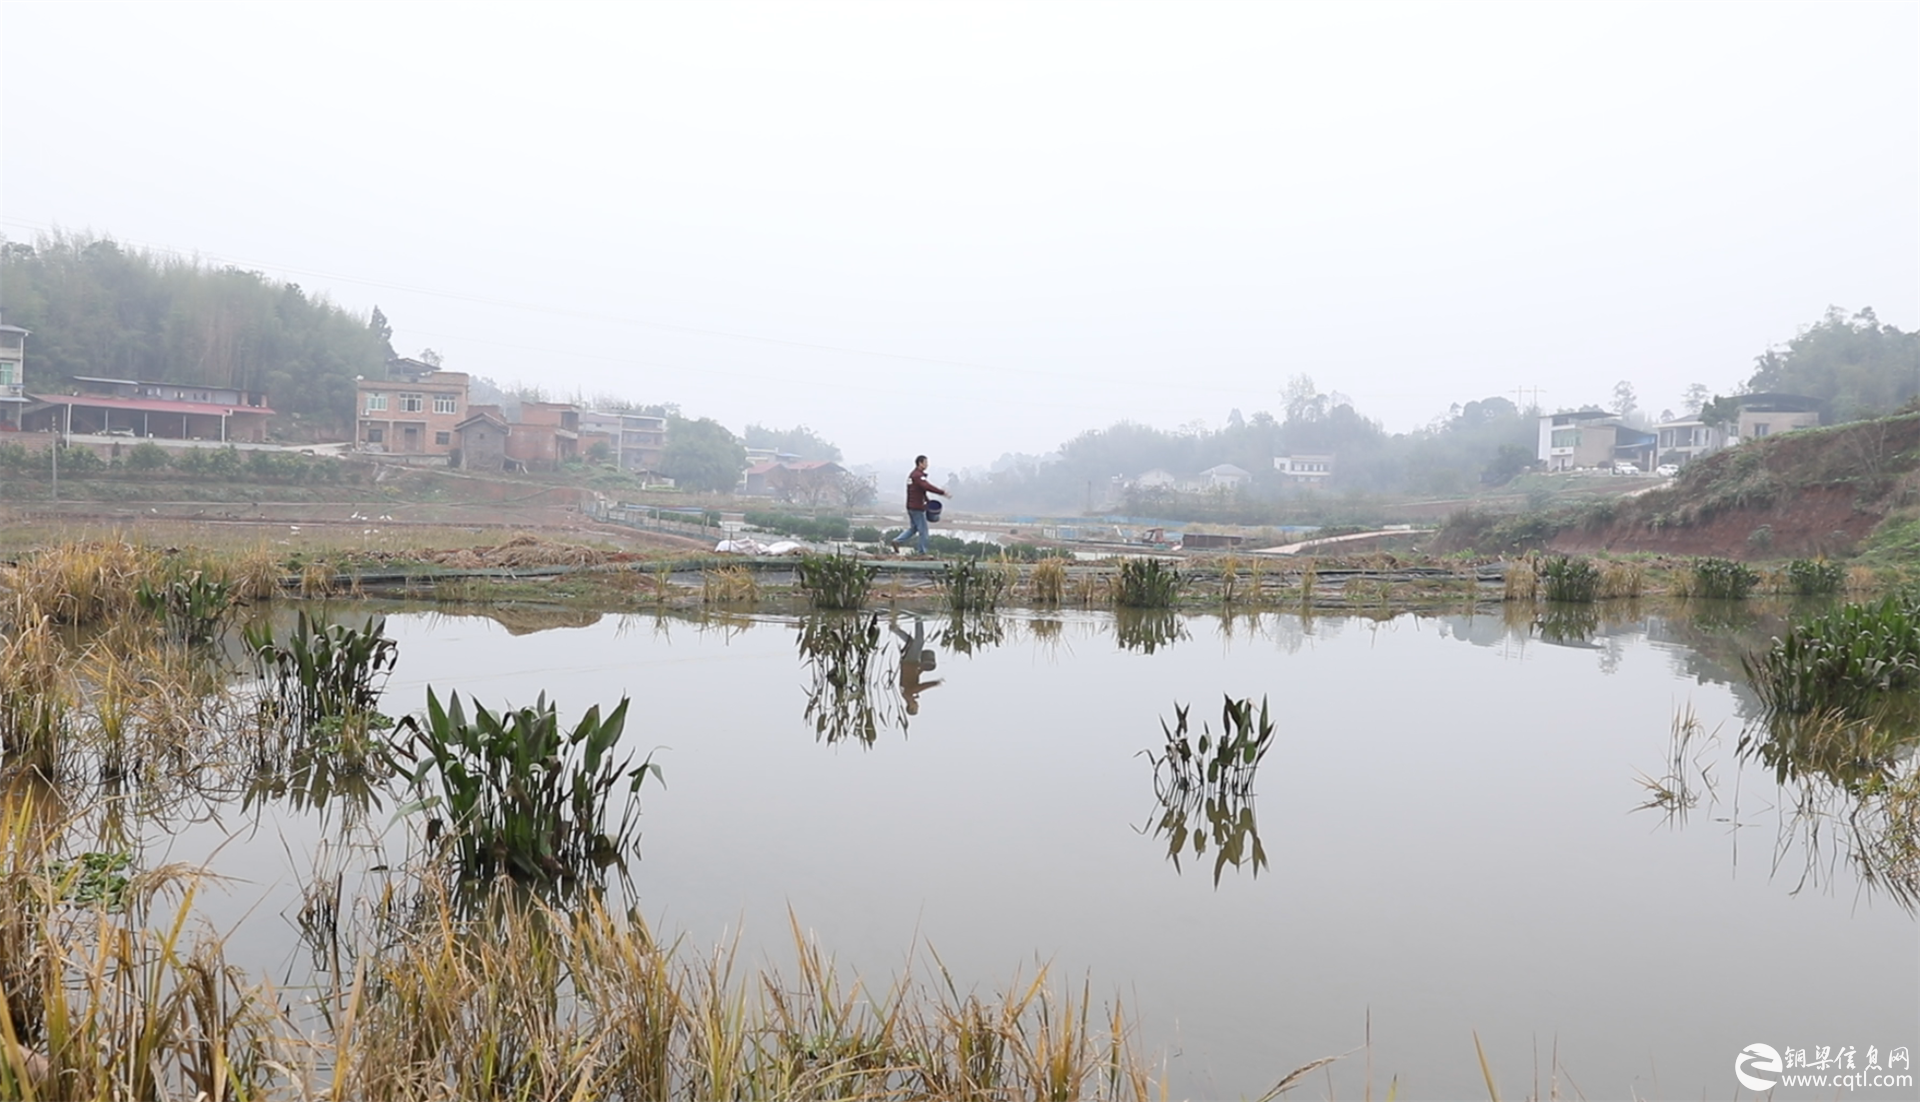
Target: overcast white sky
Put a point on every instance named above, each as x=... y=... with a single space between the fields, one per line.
x=967 y=229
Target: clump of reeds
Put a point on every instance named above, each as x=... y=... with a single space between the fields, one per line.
x=835 y=581
x=256 y=574
x=1718 y=579
x=1147 y=583
x=36 y=697
x=1308 y=578
x=974 y=585
x=523 y=796
x=1620 y=580
x=1815 y=577
x=1522 y=579
x=84 y=583
x=729 y=585
x=1047 y=582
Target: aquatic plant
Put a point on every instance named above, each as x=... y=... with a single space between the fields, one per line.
x=1147 y=583
x=974 y=585
x=523 y=797
x=36 y=697
x=192 y=609
x=1815 y=577
x=835 y=581
x=321 y=670
x=1720 y=579
x=1846 y=659
x=1204 y=786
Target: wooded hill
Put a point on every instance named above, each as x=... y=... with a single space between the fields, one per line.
x=1841 y=491
x=97 y=308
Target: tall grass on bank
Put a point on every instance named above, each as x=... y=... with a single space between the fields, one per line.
x=1047 y=582
x=835 y=581
x=1815 y=577
x=517 y=999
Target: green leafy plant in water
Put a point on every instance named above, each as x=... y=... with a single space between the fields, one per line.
x=1147 y=583
x=974 y=585
x=1815 y=577
x=192 y=609
x=1205 y=786
x=1722 y=579
x=322 y=671
x=836 y=581
x=523 y=796
x=1568 y=579
x=1848 y=659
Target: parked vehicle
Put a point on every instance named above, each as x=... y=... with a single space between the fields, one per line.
x=1626 y=468
x=1667 y=470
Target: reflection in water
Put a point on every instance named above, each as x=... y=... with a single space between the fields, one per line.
x=843 y=657
x=966 y=633
x=916 y=659
x=1147 y=629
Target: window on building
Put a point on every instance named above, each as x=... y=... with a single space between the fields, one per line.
x=1760 y=428
x=443 y=438
x=376 y=403
x=1565 y=438
x=375 y=436
x=412 y=403
x=445 y=403
x=6 y=374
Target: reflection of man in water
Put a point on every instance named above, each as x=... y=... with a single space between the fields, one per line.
x=916 y=658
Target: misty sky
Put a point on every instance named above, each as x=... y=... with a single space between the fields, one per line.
x=979 y=228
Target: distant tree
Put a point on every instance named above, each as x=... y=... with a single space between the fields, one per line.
x=1624 y=400
x=1509 y=461
x=1303 y=401
x=855 y=491
x=1721 y=411
x=798 y=441
x=431 y=358
x=1696 y=395
x=702 y=455
x=599 y=452
x=380 y=326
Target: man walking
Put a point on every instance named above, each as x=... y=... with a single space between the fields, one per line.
x=917 y=490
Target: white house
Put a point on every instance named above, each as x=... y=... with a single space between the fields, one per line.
x=1308 y=470
x=1224 y=476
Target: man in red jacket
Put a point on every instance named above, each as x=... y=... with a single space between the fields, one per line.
x=917 y=490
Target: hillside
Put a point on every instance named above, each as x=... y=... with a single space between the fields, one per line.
x=1847 y=490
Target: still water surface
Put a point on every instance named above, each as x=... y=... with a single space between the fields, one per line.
x=1447 y=813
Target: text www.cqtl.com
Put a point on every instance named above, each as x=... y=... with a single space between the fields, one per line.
x=1851 y=1081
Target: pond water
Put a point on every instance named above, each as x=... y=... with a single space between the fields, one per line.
x=1447 y=817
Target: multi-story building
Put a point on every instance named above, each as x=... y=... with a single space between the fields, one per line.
x=413 y=411
x=13 y=378
x=638 y=440
x=546 y=435
x=1305 y=470
x=1687 y=439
